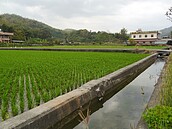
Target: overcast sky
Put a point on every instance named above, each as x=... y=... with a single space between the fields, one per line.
x=95 y=15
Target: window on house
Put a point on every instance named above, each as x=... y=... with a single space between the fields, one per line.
x=146 y=36
x=143 y=42
x=134 y=36
x=152 y=35
x=140 y=36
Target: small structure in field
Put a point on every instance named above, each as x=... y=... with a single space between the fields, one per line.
x=145 y=37
x=17 y=41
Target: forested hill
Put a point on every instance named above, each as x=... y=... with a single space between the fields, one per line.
x=26 y=28
x=32 y=31
x=166 y=32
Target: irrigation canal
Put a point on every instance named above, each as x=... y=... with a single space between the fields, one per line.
x=123 y=110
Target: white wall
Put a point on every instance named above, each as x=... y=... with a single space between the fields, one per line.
x=149 y=36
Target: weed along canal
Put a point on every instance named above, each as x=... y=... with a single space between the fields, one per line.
x=121 y=109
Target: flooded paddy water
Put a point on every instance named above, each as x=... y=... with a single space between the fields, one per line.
x=124 y=109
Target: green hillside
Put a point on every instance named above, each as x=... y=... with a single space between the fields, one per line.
x=32 y=31
x=25 y=28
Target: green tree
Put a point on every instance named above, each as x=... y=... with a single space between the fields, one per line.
x=169 y=14
x=19 y=35
x=123 y=35
x=7 y=28
x=132 y=41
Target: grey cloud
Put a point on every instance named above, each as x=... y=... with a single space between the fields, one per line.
x=74 y=8
x=93 y=14
x=77 y=8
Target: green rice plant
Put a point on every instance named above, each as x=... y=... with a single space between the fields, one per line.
x=13 y=94
x=45 y=96
x=14 y=107
x=4 y=113
x=21 y=93
x=4 y=110
x=34 y=90
x=29 y=97
x=57 y=91
x=1 y=91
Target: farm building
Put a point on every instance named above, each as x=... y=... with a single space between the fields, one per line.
x=5 y=36
x=163 y=41
x=145 y=37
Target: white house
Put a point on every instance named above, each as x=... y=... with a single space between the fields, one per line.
x=145 y=37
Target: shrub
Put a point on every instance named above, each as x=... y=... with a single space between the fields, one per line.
x=159 y=117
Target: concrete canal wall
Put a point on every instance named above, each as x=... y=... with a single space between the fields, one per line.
x=52 y=112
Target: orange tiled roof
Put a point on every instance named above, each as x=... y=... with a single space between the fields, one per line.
x=6 y=33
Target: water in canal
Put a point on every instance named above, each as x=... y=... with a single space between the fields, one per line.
x=124 y=109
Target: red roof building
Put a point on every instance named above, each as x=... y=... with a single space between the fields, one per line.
x=5 y=37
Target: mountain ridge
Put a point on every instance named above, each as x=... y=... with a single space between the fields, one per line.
x=27 y=27
x=166 y=31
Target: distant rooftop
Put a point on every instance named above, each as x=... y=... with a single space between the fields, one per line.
x=139 y=31
x=6 y=33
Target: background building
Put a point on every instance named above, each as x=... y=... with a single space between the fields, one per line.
x=5 y=37
x=145 y=37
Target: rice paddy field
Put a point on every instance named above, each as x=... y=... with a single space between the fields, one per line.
x=30 y=78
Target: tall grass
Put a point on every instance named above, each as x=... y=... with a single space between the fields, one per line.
x=166 y=92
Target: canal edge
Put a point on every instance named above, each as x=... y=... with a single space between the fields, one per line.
x=154 y=99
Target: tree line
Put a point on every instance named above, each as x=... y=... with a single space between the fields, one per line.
x=34 y=32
